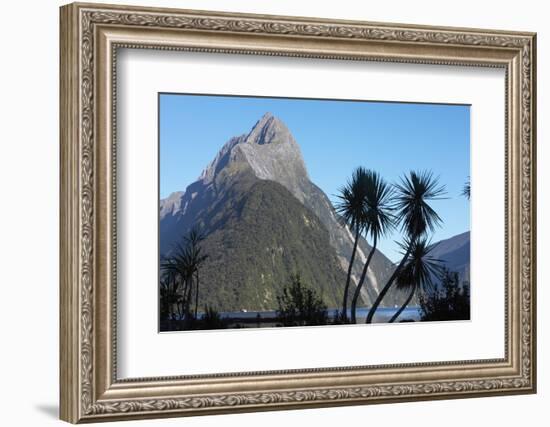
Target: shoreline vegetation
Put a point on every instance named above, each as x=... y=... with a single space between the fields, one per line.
x=270 y=319
x=450 y=302
x=369 y=208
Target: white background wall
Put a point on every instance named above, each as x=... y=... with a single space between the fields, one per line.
x=29 y=170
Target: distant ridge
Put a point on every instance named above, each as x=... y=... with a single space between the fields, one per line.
x=455 y=253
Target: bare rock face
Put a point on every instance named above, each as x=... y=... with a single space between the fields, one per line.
x=172 y=204
x=273 y=154
x=220 y=161
x=270 y=151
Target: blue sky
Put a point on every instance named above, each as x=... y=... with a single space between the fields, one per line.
x=334 y=136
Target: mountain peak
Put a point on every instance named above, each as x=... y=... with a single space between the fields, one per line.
x=265 y=121
x=269 y=149
x=266 y=117
x=267 y=152
x=268 y=130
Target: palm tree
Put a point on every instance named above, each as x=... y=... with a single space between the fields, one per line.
x=351 y=208
x=166 y=299
x=180 y=264
x=185 y=261
x=466 y=189
x=193 y=240
x=415 y=215
x=418 y=272
x=377 y=221
x=169 y=293
x=197 y=281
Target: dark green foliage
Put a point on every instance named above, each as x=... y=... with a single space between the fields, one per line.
x=182 y=268
x=168 y=297
x=449 y=301
x=418 y=272
x=258 y=235
x=413 y=192
x=351 y=209
x=351 y=206
x=377 y=221
x=364 y=204
x=420 y=268
x=164 y=307
x=300 y=305
x=211 y=319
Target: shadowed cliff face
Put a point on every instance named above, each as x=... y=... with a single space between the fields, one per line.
x=268 y=153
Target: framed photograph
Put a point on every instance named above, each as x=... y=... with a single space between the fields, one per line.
x=266 y=212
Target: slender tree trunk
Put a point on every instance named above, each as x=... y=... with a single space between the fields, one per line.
x=197 y=295
x=167 y=302
x=172 y=298
x=187 y=311
x=387 y=287
x=346 y=289
x=405 y=304
x=179 y=306
x=361 y=281
x=170 y=303
x=183 y=304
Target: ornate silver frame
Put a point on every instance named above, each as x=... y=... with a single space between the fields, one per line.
x=90 y=36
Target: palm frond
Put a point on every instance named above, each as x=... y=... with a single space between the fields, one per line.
x=185 y=259
x=411 y=202
x=466 y=189
x=378 y=218
x=420 y=269
x=365 y=203
x=351 y=204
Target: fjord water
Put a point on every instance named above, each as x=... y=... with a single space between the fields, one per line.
x=382 y=315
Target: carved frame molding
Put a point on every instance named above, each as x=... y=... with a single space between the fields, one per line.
x=90 y=36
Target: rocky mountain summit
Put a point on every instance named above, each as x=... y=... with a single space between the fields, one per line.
x=268 y=158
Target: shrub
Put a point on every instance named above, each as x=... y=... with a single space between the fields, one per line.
x=449 y=301
x=300 y=305
x=212 y=319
